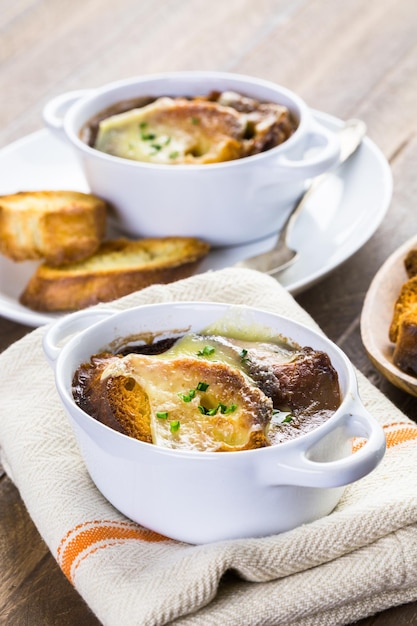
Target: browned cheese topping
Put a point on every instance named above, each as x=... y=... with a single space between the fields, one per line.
x=209 y=392
x=177 y=130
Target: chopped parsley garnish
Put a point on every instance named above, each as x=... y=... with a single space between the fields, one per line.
x=173 y=154
x=174 y=426
x=281 y=417
x=162 y=415
x=187 y=397
x=195 y=120
x=206 y=351
x=222 y=408
x=243 y=356
x=156 y=146
x=146 y=136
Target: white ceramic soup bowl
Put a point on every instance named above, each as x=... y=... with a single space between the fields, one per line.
x=200 y=497
x=224 y=203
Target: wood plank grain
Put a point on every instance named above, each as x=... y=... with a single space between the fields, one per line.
x=33 y=590
x=345 y=58
x=94 y=42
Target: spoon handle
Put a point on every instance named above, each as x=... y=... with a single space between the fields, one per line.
x=281 y=255
x=350 y=135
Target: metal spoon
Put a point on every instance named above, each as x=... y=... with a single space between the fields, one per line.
x=281 y=255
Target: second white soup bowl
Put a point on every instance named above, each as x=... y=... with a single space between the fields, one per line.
x=227 y=203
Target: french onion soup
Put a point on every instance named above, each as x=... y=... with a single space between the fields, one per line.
x=209 y=392
x=221 y=126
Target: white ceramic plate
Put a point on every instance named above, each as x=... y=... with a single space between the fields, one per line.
x=343 y=214
x=377 y=314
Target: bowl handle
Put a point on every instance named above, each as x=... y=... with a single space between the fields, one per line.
x=57 y=333
x=295 y=468
x=54 y=111
x=324 y=157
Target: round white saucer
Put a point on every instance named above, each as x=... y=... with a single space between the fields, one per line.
x=338 y=220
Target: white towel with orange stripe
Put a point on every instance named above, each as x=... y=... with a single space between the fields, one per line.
x=360 y=559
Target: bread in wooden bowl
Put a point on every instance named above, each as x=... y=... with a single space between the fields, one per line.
x=57 y=226
x=405 y=351
x=410 y=263
x=120 y=266
x=407 y=299
x=403 y=326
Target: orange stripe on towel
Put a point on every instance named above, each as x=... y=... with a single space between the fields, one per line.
x=85 y=539
x=399 y=432
x=396 y=433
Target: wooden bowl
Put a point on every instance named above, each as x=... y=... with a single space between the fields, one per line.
x=377 y=313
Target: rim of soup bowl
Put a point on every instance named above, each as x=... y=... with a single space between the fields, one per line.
x=299 y=108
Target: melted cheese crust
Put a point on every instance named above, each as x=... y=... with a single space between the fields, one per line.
x=170 y=131
x=204 y=129
x=194 y=403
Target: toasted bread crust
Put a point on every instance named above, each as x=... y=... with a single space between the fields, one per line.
x=410 y=263
x=117 y=268
x=57 y=226
x=139 y=386
x=407 y=299
x=203 y=132
x=405 y=351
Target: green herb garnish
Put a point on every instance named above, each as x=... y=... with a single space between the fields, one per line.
x=174 y=426
x=222 y=408
x=195 y=120
x=206 y=351
x=148 y=136
x=162 y=415
x=281 y=417
x=243 y=356
x=187 y=397
x=174 y=154
x=202 y=386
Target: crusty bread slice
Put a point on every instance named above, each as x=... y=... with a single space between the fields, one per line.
x=186 y=402
x=57 y=226
x=405 y=351
x=410 y=263
x=119 y=267
x=406 y=300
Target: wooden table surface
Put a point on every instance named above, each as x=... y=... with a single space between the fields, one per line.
x=349 y=59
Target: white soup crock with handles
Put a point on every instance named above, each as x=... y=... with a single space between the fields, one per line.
x=201 y=497
x=227 y=203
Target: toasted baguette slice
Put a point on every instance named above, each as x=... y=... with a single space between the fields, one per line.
x=146 y=396
x=410 y=263
x=406 y=299
x=57 y=226
x=405 y=352
x=118 y=267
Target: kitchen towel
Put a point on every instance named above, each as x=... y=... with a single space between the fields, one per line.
x=360 y=559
